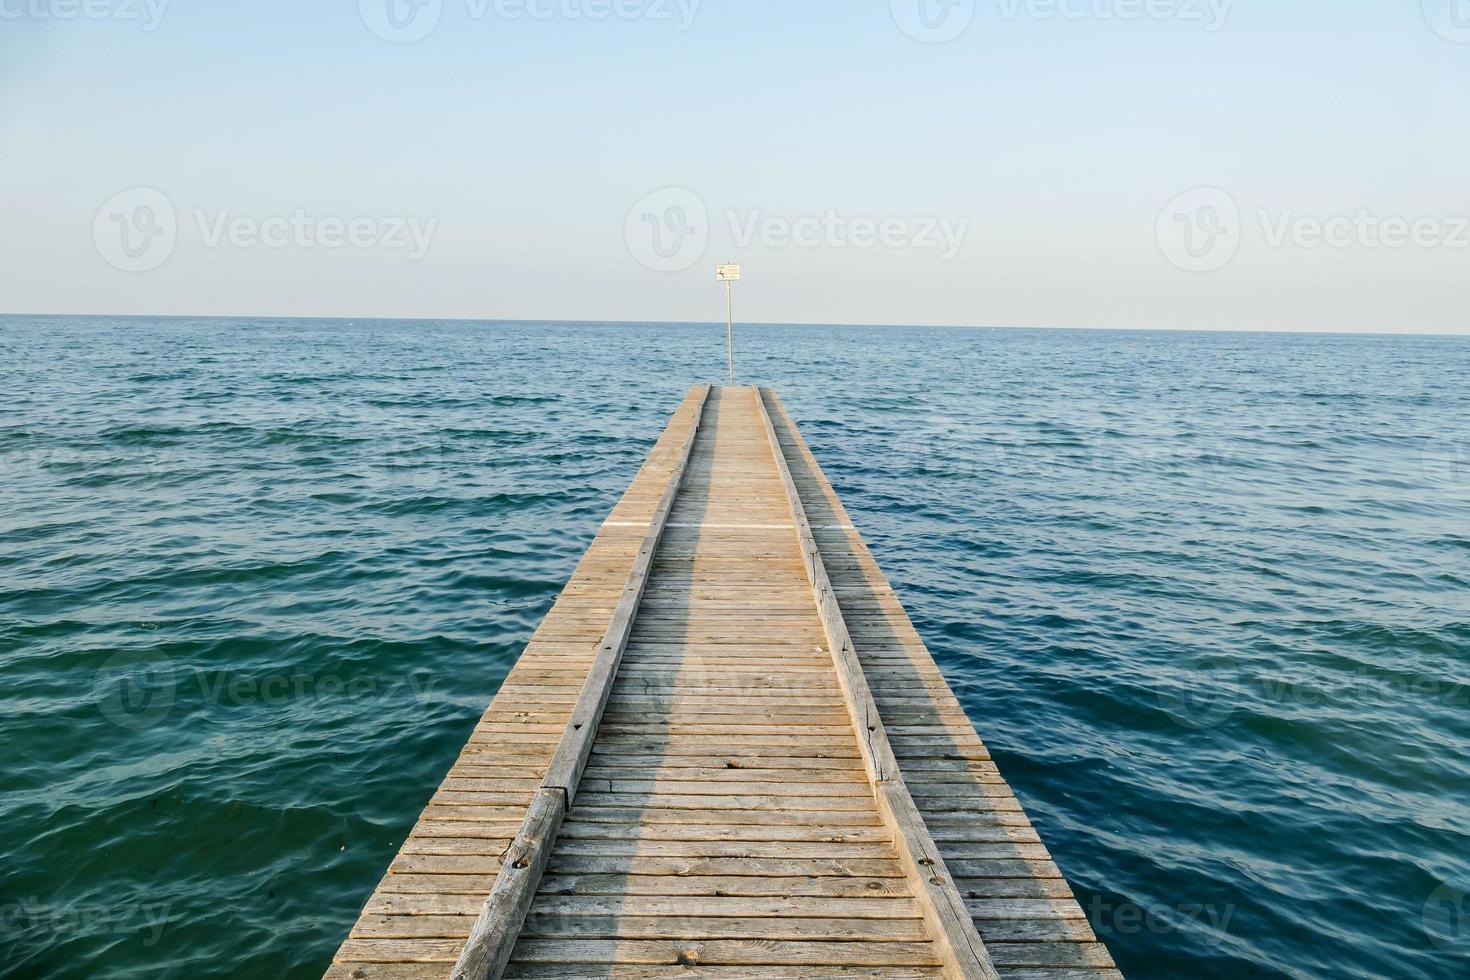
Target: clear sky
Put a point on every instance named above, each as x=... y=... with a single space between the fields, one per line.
x=1255 y=164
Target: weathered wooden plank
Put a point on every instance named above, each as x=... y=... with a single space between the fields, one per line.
x=792 y=884
x=772 y=928
x=743 y=907
x=494 y=933
x=747 y=953
x=559 y=971
x=687 y=866
x=965 y=955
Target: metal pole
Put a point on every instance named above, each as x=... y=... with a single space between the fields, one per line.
x=730 y=328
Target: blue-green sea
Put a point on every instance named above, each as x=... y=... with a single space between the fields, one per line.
x=1206 y=596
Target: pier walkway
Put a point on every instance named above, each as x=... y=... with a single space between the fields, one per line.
x=725 y=753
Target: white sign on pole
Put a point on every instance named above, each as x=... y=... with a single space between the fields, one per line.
x=729 y=274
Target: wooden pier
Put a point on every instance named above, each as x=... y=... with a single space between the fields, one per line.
x=725 y=753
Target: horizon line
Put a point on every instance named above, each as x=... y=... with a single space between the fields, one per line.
x=747 y=323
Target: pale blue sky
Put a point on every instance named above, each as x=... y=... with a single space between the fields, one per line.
x=515 y=148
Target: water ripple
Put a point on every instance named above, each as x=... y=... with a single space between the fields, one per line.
x=1204 y=595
